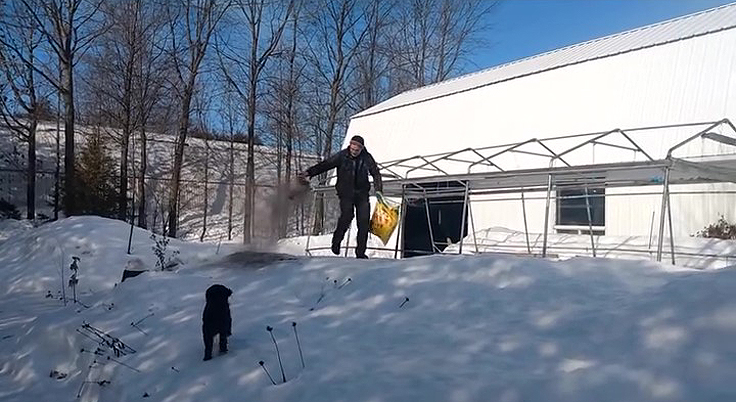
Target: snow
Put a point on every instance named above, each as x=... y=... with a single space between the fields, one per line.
x=475 y=328
x=690 y=252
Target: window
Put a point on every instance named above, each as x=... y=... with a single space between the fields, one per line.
x=571 y=210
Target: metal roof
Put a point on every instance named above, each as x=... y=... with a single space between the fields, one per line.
x=690 y=26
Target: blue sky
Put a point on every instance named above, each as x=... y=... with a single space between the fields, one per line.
x=522 y=28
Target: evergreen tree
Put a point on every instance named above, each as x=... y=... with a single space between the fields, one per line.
x=96 y=179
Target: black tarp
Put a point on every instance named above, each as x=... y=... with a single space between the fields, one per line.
x=445 y=219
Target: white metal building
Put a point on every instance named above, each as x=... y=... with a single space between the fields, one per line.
x=678 y=76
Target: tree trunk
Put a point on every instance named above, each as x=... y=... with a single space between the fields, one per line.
x=179 y=157
x=31 y=182
x=57 y=170
x=142 y=221
x=232 y=185
x=67 y=93
x=290 y=118
x=276 y=226
x=32 y=127
x=250 y=170
x=283 y=229
x=206 y=198
x=127 y=131
x=123 y=190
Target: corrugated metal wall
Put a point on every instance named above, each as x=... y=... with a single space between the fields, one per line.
x=686 y=81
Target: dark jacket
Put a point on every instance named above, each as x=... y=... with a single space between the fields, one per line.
x=352 y=173
x=216 y=317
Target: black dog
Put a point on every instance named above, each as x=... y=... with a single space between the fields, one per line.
x=216 y=319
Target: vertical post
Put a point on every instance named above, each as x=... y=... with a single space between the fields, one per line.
x=465 y=213
x=472 y=226
x=546 y=215
x=651 y=233
x=429 y=220
x=309 y=233
x=57 y=172
x=590 y=223
x=526 y=227
x=132 y=206
x=669 y=217
x=665 y=191
x=347 y=241
x=400 y=233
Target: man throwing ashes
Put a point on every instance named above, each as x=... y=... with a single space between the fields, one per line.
x=353 y=165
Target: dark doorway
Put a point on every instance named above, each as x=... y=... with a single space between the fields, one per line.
x=445 y=219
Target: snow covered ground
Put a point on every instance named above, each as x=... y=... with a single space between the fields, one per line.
x=474 y=328
x=690 y=252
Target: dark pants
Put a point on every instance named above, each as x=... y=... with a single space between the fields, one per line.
x=359 y=202
x=209 y=338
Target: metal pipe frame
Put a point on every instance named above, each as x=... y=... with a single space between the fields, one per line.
x=402 y=219
x=672 y=235
x=311 y=229
x=562 y=137
x=721 y=192
x=526 y=227
x=699 y=134
x=429 y=224
x=511 y=148
x=347 y=245
x=590 y=221
x=546 y=215
x=665 y=198
x=472 y=225
x=464 y=215
x=552 y=174
x=520 y=248
x=613 y=145
x=426 y=162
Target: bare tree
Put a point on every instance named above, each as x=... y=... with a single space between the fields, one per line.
x=338 y=30
x=192 y=23
x=229 y=113
x=153 y=70
x=125 y=78
x=281 y=105
x=432 y=37
x=113 y=69
x=202 y=103
x=231 y=125
x=20 y=107
x=67 y=27
x=247 y=69
x=373 y=59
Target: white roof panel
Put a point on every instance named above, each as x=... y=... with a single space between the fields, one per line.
x=682 y=28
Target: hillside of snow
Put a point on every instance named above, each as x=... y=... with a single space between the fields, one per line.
x=438 y=328
x=204 y=161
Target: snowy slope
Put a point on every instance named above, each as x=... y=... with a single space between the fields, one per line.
x=475 y=328
x=214 y=154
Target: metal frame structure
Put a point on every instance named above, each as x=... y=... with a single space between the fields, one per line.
x=559 y=173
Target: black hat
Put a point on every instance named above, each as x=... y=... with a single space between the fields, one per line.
x=359 y=139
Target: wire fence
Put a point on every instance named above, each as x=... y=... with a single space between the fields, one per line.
x=211 y=201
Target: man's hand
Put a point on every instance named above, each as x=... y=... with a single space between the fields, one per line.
x=302 y=177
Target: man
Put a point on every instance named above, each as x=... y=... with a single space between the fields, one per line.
x=353 y=165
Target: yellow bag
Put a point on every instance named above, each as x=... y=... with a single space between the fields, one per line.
x=384 y=220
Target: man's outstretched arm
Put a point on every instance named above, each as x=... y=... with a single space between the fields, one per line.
x=321 y=167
